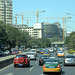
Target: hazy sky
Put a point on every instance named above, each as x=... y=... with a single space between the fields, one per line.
x=53 y=8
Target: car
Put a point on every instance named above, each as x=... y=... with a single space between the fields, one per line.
x=51 y=50
x=21 y=60
x=32 y=56
x=1 y=52
x=42 y=51
x=34 y=51
x=69 y=60
x=42 y=59
x=46 y=53
x=58 y=50
x=20 y=51
x=60 y=54
x=15 y=52
x=6 y=52
x=52 y=65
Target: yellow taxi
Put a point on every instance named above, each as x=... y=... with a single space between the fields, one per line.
x=60 y=54
x=52 y=65
x=45 y=53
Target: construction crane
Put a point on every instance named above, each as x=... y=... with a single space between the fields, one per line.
x=33 y=12
x=64 y=20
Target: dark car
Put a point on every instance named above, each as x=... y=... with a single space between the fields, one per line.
x=21 y=60
x=43 y=58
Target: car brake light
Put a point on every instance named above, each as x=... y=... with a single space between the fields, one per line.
x=65 y=60
x=40 y=60
x=44 y=66
x=58 y=66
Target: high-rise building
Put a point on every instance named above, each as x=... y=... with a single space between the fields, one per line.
x=50 y=30
x=6 y=11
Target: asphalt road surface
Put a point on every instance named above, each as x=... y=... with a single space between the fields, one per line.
x=35 y=69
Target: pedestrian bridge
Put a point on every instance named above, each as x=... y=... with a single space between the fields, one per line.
x=58 y=44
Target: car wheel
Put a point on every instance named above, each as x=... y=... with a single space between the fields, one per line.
x=28 y=65
x=39 y=64
x=35 y=58
x=44 y=72
x=15 y=66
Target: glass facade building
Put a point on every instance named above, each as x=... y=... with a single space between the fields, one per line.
x=51 y=30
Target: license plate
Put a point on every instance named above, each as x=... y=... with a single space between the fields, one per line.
x=69 y=60
x=51 y=66
x=20 y=64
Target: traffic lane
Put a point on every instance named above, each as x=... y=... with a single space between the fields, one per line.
x=4 y=55
x=18 y=70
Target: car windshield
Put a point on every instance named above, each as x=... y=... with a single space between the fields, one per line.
x=33 y=51
x=51 y=61
x=30 y=53
x=14 y=50
x=43 y=57
x=18 y=56
x=60 y=52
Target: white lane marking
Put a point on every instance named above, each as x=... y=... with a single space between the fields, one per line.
x=9 y=74
x=6 y=67
x=30 y=68
x=35 y=62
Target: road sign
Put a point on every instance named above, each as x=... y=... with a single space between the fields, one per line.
x=56 y=45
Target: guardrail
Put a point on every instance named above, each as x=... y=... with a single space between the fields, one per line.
x=5 y=61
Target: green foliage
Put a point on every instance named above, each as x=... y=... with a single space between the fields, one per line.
x=70 y=40
x=9 y=35
x=71 y=51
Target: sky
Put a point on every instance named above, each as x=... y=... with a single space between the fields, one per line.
x=52 y=8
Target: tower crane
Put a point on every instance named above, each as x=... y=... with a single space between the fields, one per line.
x=33 y=12
x=64 y=20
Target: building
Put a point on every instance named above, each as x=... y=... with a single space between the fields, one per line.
x=50 y=30
x=6 y=11
x=42 y=30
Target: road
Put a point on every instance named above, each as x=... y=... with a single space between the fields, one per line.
x=35 y=69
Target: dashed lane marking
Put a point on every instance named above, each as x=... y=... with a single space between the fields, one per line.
x=30 y=68
x=35 y=62
x=6 y=67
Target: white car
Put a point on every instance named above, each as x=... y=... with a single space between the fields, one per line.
x=31 y=56
x=7 y=52
x=51 y=50
x=34 y=51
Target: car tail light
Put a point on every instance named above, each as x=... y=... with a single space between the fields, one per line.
x=65 y=60
x=40 y=60
x=58 y=66
x=44 y=66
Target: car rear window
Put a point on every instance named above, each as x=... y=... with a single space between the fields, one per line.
x=18 y=56
x=70 y=56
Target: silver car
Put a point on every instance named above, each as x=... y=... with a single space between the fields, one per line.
x=69 y=60
x=31 y=56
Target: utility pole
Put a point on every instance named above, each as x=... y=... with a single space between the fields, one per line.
x=63 y=28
